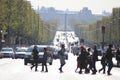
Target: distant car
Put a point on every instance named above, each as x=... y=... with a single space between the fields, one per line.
x=7 y=52
x=27 y=58
x=20 y=52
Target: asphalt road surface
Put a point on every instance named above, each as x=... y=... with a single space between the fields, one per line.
x=14 y=69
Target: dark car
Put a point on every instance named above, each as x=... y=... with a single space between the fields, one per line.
x=27 y=58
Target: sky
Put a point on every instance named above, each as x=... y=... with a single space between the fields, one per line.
x=97 y=6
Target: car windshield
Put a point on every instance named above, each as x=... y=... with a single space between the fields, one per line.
x=30 y=49
x=40 y=49
x=21 y=50
x=6 y=49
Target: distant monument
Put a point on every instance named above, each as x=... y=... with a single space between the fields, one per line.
x=85 y=11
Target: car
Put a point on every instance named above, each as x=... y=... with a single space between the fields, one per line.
x=27 y=58
x=20 y=52
x=7 y=52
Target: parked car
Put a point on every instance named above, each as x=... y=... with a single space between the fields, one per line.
x=27 y=58
x=7 y=52
x=20 y=52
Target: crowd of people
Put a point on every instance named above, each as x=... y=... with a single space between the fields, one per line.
x=87 y=61
x=35 y=56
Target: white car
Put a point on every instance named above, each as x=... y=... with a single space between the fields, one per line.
x=7 y=52
x=20 y=52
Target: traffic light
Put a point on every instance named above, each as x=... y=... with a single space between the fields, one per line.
x=81 y=40
x=103 y=29
x=17 y=40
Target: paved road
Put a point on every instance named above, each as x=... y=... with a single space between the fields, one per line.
x=13 y=69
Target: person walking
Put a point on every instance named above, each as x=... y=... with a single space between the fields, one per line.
x=94 y=59
x=62 y=57
x=83 y=58
x=78 y=63
x=109 y=56
x=89 y=60
x=103 y=63
x=44 y=61
x=118 y=56
x=35 y=58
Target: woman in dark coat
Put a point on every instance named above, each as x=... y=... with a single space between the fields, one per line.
x=83 y=58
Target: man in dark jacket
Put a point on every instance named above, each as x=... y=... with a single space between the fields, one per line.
x=44 y=61
x=109 y=56
x=94 y=59
x=35 y=58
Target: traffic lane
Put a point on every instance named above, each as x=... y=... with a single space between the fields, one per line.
x=16 y=70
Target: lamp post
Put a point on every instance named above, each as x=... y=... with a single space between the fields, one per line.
x=103 y=34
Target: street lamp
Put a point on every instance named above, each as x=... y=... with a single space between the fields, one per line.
x=103 y=34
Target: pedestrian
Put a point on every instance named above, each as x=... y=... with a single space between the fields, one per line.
x=78 y=63
x=118 y=56
x=82 y=59
x=88 y=61
x=44 y=60
x=62 y=57
x=35 y=58
x=109 y=56
x=103 y=63
x=94 y=59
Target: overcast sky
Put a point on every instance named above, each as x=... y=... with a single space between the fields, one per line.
x=97 y=6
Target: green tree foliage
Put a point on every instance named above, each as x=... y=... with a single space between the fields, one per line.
x=19 y=19
x=112 y=28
